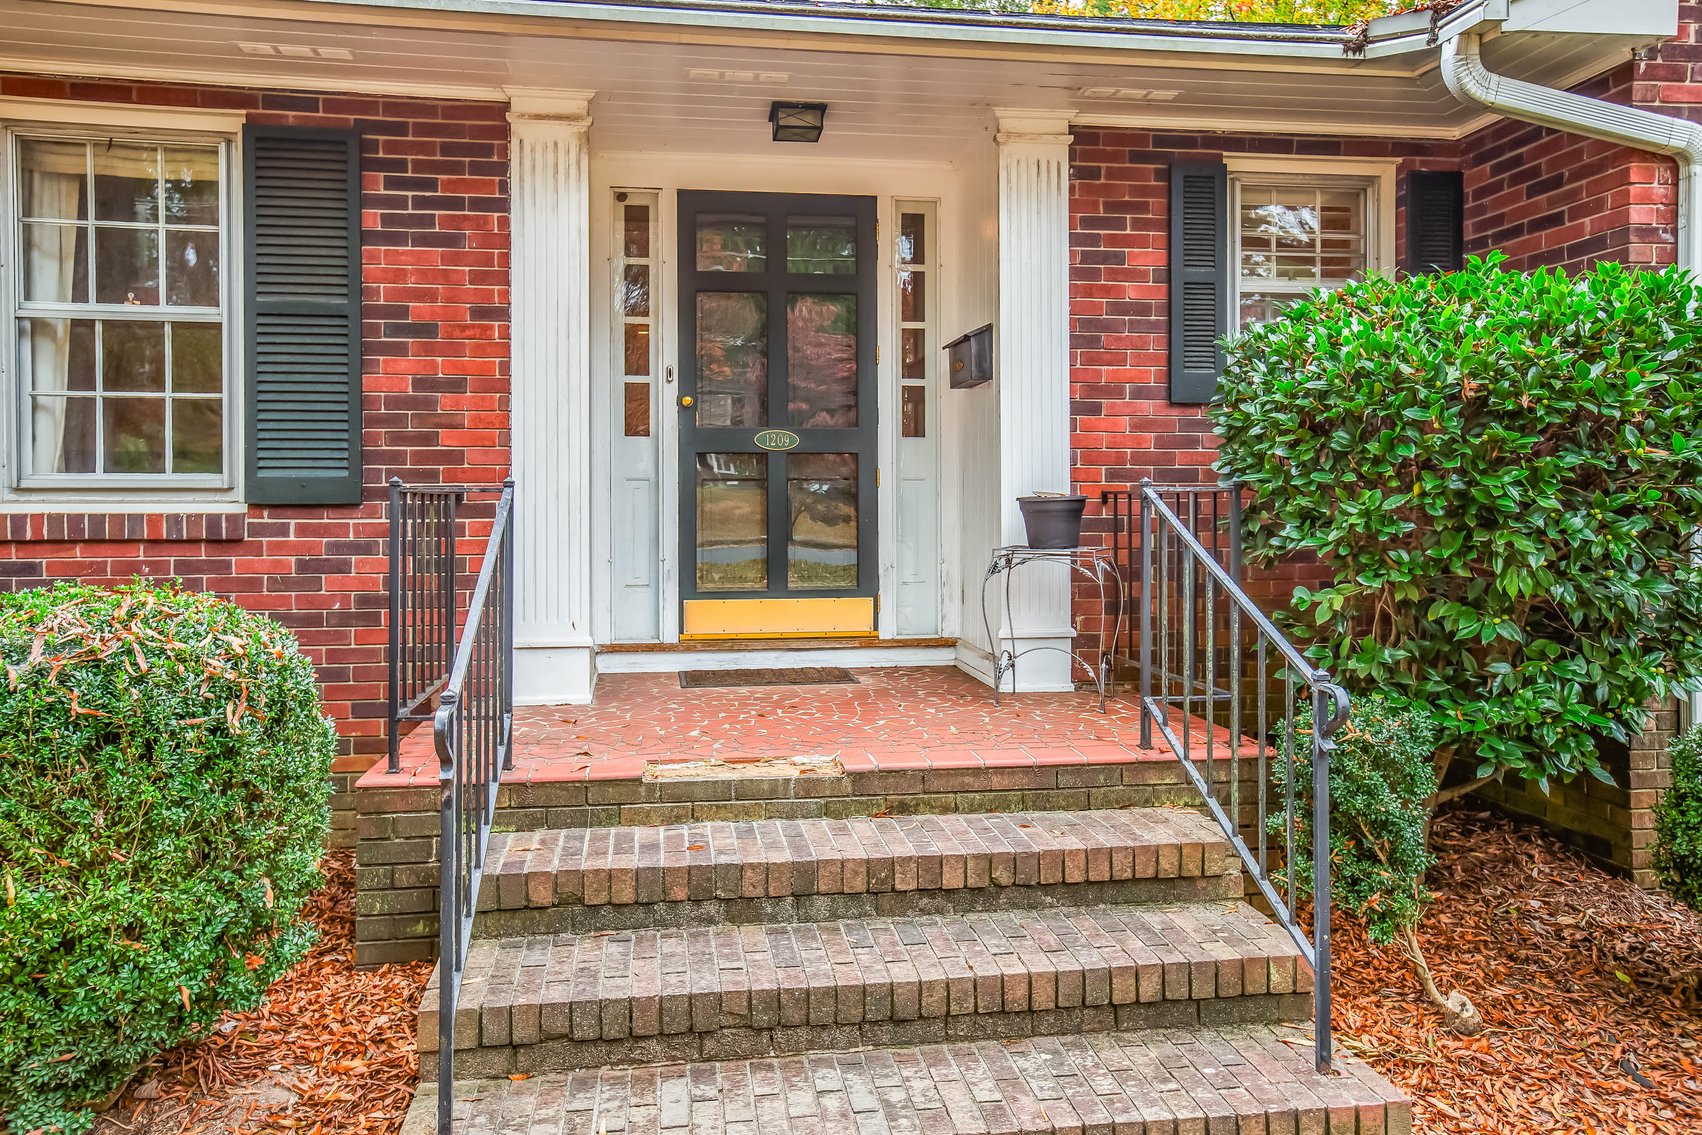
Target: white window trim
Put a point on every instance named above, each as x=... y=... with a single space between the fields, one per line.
x=1376 y=177
x=143 y=493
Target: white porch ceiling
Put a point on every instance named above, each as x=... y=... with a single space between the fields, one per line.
x=916 y=101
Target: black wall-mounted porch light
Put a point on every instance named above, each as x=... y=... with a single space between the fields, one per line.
x=797 y=121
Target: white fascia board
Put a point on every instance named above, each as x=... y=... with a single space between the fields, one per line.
x=1657 y=19
x=1324 y=44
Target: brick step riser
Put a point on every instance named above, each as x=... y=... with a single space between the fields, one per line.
x=580 y=919
x=731 y=1042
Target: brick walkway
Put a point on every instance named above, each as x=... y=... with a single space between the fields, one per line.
x=899 y=718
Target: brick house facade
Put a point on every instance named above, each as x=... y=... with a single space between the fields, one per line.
x=449 y=394
x=434 y=350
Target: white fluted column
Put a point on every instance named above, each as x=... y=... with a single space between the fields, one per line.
x=550 y=395
x=1034 y=372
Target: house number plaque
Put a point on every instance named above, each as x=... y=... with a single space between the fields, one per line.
x=777 y=440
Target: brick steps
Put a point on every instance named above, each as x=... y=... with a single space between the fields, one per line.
x=556 y=1002
x=816 y=870
x=1238 y=1080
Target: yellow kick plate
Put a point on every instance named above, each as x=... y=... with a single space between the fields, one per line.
x=778 y=618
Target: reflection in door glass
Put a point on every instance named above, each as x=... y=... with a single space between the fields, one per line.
x=732 y=359
x=817 y=245
x=821 y=361
x=821 y=548
x=732 y=522
x=728 y=242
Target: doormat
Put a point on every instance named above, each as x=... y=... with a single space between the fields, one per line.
x=782 y=676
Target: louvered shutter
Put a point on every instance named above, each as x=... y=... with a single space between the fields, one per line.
x=1435 y=221
x=302 y=288
x=1199 y=278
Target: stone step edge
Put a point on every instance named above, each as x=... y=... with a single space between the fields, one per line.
x=709 y=860
x=1242 y=1079
x=920 y=981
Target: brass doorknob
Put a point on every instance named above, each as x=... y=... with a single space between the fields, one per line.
x=686 y=401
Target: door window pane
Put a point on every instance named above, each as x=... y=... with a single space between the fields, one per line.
x=732 y=359
x=635 y=290
x=821 y=245
x=638 y=350
x=635 y=220
x=732 y=243
x=914 y=364
x=821 y=361
x=732 y=522
x=912 y=239
x=821 y=548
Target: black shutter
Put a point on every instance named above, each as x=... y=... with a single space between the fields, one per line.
x=302 y=287
x=1435 y=221
x=1199 y=278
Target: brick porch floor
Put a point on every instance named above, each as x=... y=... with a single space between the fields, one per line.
x=898 y=718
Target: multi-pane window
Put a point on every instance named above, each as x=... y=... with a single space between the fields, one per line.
x=1294 y=236
x=119 y=305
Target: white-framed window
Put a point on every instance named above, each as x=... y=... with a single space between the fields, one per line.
x=1296 y=225
x=117 y=299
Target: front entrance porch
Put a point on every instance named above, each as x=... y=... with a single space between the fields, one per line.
x=892 y=719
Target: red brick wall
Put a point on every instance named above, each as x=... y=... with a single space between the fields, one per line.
x=1123 y=425
x=435 y=394
x=1545 y=197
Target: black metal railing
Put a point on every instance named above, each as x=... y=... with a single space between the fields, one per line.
x=422 y=600
x=472 y=728
x=1211 y=512
x=1221 y=684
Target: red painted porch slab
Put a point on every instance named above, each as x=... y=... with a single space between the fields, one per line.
x=897 y=718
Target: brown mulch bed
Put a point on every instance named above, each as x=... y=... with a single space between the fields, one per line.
x=1587 y=984
x=330 y=1049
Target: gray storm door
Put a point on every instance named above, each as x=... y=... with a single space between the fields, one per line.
x=777 y=414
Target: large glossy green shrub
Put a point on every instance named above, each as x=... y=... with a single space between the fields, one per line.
x=163 y=808
x=1678 y=822
x=1500 y=472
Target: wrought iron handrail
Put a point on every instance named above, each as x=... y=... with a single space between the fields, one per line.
x=1187 y=595
x=422 y=581
x=472 y=728
x=1213 y=513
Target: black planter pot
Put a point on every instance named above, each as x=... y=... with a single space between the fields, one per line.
x=1052 y=522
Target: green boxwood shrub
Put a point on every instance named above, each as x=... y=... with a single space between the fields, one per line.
x=1678 y=822
x=1381 y=781
x=163 y=810
x=1500 y=472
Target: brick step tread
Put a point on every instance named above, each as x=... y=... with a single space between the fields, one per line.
x=774 y=858
x=618 y=985
x=1240 y=1080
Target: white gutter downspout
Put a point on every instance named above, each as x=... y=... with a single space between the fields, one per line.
x=1471 y=81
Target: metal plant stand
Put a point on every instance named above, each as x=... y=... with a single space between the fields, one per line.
x=1098 y=565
